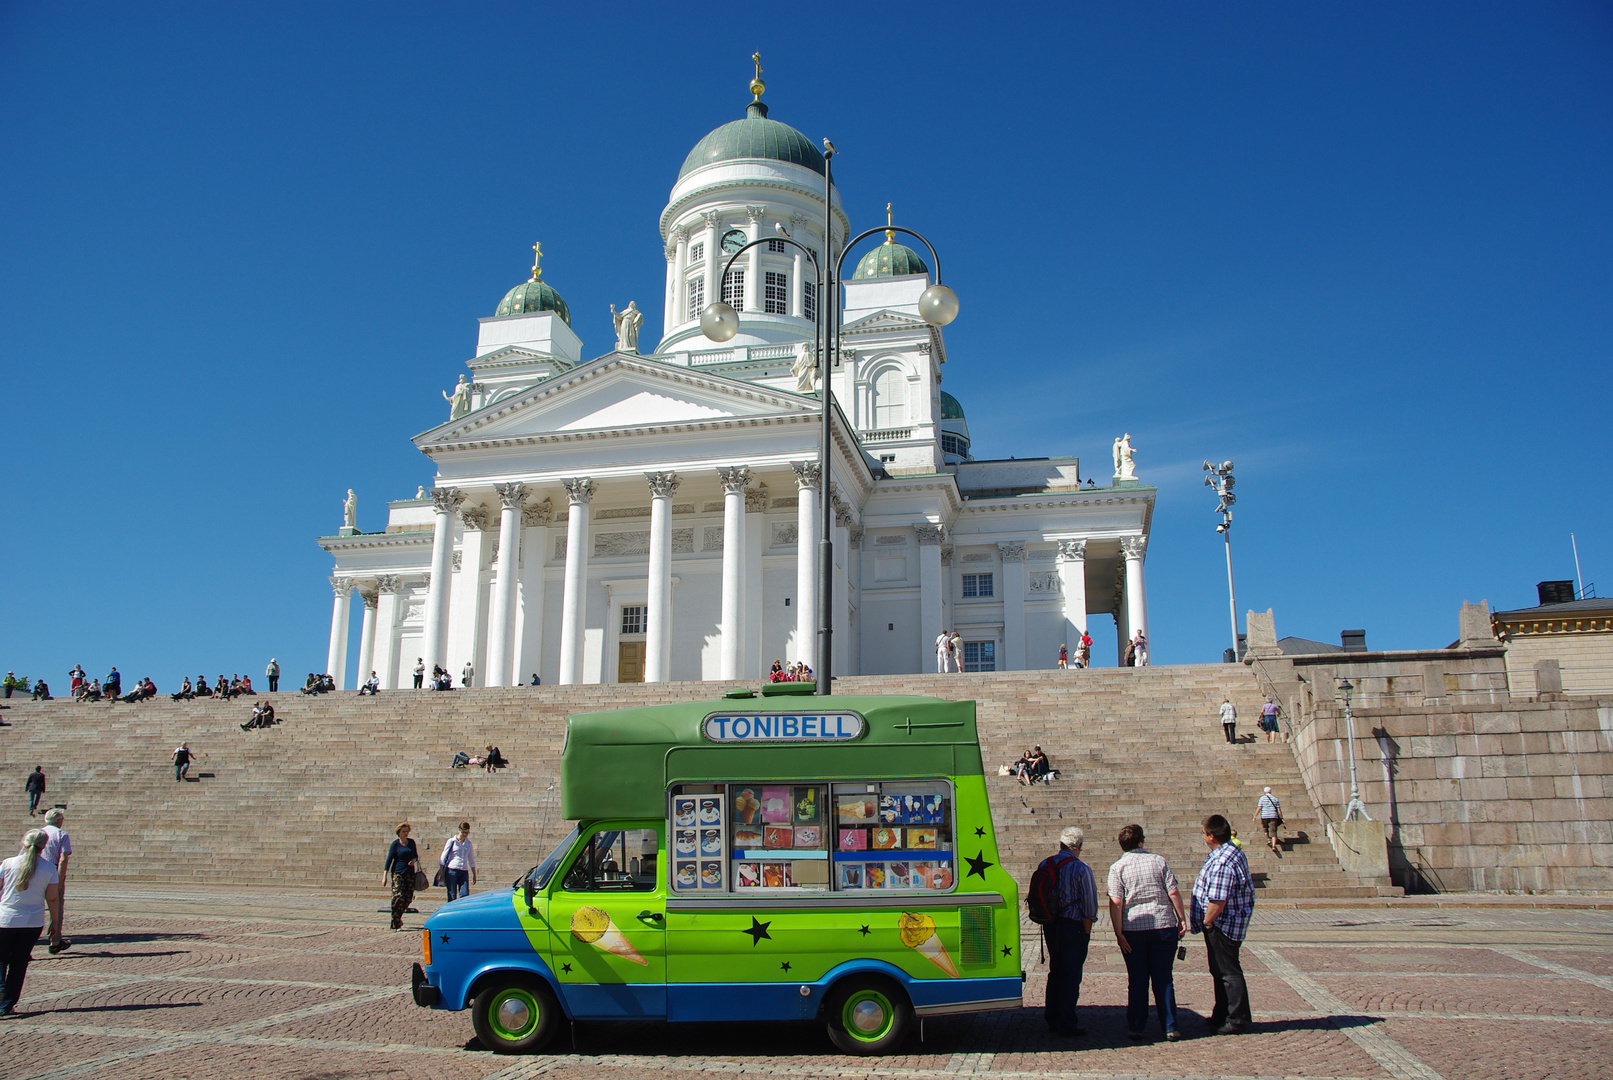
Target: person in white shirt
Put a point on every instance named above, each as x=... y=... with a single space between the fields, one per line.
x=943 y=652
x=1145 y=906
x=1229 y=720
x=419 y=672
x=458 y=863
x=28 y=886
x=467 y=673
x=1268 y=815
x=58 y=850
x=955 y=640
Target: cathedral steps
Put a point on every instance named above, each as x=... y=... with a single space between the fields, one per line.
x=314 y=800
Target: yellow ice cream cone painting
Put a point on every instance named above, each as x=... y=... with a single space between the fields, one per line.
x=592 y=926
x=918 y=933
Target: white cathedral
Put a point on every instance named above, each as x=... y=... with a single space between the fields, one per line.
x=653 y=517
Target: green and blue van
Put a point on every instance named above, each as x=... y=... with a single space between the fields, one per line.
x=772 y=857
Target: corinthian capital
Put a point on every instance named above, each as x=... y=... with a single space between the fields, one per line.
x=446 y=500
x=808 y=476
x=538 y=514
x=341 y=586
x=930 y=534
x=511 y=495
x=579 y=491
x=713 y=220
x=755 y=213
x=1134 y=547
x=388 y=583
x=662 y=484
x=474 y=517
x=1012 y=551
x=734 y=480
x=1072 y=550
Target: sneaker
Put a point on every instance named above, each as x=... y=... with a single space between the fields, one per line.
x=1173 y=1036
x=1232 y=1027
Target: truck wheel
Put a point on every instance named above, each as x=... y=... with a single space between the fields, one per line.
x=868 y=1015
x=515 y=1014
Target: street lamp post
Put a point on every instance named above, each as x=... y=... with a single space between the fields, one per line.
x=1219 y=478
x=1355 y=809
x=938 y=306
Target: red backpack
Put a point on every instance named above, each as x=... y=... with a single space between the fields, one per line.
x=1043 y=895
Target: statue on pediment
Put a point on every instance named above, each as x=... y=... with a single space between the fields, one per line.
x=1125 y=463
x=350 y=510
x=805 y=367
x=459 y=400
x=627 y=324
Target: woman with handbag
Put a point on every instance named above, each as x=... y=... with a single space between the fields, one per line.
x=402 y=864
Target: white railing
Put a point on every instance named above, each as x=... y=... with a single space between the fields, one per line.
x=740 y=354
x=894 y=434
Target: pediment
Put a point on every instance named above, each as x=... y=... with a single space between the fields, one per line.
x=885 y=320
x=512 y=355
x=616 y=392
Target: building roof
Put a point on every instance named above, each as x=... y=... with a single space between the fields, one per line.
x=889 y=259
x=950 y=409
x=533 y=296
x=753 y=137
x=1298 y=646
x=1590 y=606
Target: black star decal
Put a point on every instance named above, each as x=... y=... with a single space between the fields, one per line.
x=784 y=966
x=566 y=968
x=865 y=931
x=978 y=865
x=757 y=931
x=1007 y=951
x=980 y=830
x=445 y=939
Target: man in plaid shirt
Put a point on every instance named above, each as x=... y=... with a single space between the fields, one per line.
x=1223 y=901
x=1069 y=935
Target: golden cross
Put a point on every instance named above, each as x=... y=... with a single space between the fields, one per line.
x=890 y=234
x=756 y=58
x=537 y=254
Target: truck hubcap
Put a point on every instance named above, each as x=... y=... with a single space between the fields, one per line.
x=515 y=1014
x=868 y=1017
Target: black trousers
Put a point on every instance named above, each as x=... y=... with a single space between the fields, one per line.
x=274 y=683
x=1226 y=969
x=16 y=949
x=1067 y=944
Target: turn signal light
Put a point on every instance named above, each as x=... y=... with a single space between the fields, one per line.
x=425 y=946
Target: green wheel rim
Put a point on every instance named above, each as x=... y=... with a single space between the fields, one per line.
x=852 y=1018
x=515 y=998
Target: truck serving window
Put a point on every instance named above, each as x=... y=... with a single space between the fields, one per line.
x=805 y=836
x=615 y=860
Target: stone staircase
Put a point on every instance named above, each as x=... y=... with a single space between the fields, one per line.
x=314 y=800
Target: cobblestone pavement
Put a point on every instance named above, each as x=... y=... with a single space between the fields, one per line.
x=302 y=985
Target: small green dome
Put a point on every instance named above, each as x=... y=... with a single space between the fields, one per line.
x=950 y=409
x=889 y=259
x=754 y=137
x=533 y=296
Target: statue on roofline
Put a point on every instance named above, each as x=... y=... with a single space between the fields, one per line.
x=350 y=510
x=459 y=400
x=627 y=324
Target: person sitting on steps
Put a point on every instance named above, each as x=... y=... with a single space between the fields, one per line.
x=371 y=687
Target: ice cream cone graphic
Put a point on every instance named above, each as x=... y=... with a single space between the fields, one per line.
x=592 y=926
x=918 y=934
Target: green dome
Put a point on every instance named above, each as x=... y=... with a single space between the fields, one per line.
x=532 y=296
x=950 y=409
x=889 y=259
x=754 y=137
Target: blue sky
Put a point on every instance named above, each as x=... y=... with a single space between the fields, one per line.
x=1363 y=250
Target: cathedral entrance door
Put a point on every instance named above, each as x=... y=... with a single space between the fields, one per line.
x=630 y=661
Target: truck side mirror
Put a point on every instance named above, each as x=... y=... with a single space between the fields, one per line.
x=528 y=891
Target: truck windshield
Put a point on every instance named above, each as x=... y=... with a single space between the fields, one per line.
x=540 y=874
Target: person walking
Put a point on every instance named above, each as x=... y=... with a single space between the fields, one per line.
x=1229 y=720
x=35 y=787
x=419 y=672
x=1145 y=906
x=9 y=682
x=1084 y=656
x=182 y=758
x=1268 y=720
x=458 y=863
x=272 y=673
x=1139 y=643
x=1223 y=903
x=28 y=887
x=402 y=863
x=57 y=851
x=1269 y=816
x=466 y=674
x=1069 y=934
x=1064 y=656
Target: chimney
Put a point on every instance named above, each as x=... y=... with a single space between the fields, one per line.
x=1353 y=640
x=1555 y=592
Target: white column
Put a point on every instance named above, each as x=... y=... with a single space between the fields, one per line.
x=677 y=252
x=658 y=617
x=528 y=615
x=445 y=501
x=797 y=290
x=574 y=597
x=467 y=606
x=1134 y=548
x=1013 y=556
x=511 y=496
x=755 y=663
x=732 y=627
x=930 y=585
x=336 y=661
x=366 y=637
x=1073 y=584
x=808 y=481
x=714 y=259
x=386 y=630
x=753 y=269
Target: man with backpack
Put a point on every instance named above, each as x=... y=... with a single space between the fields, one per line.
x=1063 y=902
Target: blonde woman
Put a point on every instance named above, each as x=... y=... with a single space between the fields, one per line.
x=28 y=885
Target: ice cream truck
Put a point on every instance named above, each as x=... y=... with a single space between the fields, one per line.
x=765 y=856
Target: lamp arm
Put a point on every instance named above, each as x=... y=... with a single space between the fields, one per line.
x=935 y=260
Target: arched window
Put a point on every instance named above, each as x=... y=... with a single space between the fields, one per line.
x=890 y=398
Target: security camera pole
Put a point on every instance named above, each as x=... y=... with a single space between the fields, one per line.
x=1219 y=478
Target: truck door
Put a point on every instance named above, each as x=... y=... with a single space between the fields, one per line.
x=607 y=920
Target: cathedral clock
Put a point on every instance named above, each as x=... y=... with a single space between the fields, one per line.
x=733 y=240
